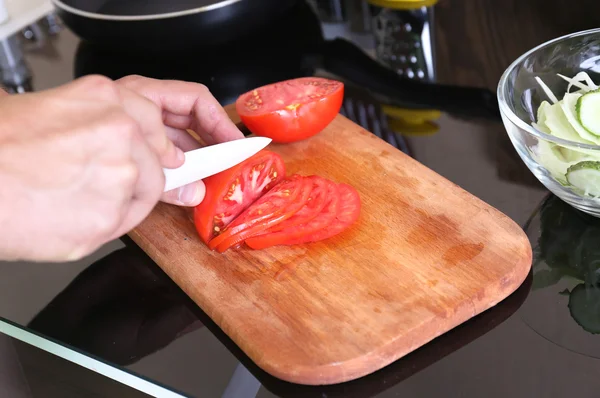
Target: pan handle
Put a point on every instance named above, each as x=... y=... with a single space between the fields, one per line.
x=346 y=60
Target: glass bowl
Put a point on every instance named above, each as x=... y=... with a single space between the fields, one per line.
x=520 y=95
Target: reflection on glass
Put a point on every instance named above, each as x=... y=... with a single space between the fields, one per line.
x=565 y=303
x=123 y=308
x=119 y=309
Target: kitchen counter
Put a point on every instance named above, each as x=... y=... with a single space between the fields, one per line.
x=118 y=307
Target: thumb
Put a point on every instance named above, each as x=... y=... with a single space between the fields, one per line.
x=187 y=195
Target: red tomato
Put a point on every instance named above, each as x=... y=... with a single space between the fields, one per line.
x=314 y=204
x=341 y=211
x=230 y=192
x=291 y=110
x=347 y=214
x=324 y=193
x=277 y=205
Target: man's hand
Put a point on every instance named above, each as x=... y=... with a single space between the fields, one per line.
x=82 y=164
x=186 y=106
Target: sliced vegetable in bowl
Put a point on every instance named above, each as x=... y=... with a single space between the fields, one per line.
x=588 y=116
x=574 y=118
x=586 y=176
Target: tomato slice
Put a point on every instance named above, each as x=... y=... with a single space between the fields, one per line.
x=341 y=211
x=314 y=204
x=291 y=110
x=324 y=193
x=280 y=203
x=230 y=192
x=347 y=214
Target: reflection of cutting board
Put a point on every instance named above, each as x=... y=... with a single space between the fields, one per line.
x=424 y=257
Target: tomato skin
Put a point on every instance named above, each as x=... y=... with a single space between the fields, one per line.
x=342 y=210
x=283 y=237
x=347 y=214
x=324 y=195
x=294 y=119
x=240 y=237
x=218 y=187
x=314 y=204
x=277 y=205
x=256 y=204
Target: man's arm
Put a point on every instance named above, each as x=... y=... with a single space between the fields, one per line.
x=2 y=92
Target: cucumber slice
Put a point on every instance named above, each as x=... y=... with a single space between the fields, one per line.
x=569 y=107
x=585 y=176
x=559 y=120
x=588 y=111
x=584 y=305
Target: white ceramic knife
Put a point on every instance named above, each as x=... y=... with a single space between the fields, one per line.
x=204 y=162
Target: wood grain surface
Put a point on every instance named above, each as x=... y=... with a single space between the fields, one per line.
x=476 y=40
x=424 y=257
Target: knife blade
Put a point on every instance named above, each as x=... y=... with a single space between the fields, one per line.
x=204 y=162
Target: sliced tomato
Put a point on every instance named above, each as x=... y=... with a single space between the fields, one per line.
x=280 y=203
x=230 y=192
x=291 y=110
x=342 y=210
x=313 y=206
x=347 y=214
x=324 y=194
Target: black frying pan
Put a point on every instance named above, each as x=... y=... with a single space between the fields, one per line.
x=260 y=34
x=151 y=25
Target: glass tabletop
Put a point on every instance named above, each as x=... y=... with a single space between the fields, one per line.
x=117 y=314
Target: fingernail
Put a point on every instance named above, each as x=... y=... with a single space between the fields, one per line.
x=188 y=193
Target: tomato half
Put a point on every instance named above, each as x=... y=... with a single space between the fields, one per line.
x=324 y=193
x=291 y=110
x=230 y=192
x=277 y=205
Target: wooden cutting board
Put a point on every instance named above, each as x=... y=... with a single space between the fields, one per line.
x=424 y=257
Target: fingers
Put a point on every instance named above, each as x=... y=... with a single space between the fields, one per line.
x=188 y=195
x=149 y=117
x=182 y=139
x=191 y=194
x=148 y=188
x=187 y=105
x=146 y=113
